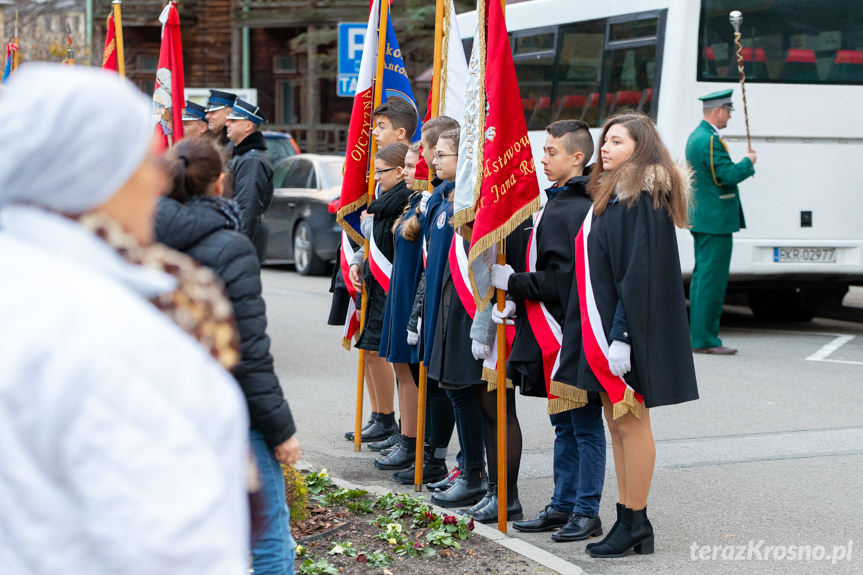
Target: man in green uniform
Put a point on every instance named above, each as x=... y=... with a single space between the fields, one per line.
x=714 y=214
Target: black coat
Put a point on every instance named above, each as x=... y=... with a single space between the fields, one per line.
x=207 y=234
x=634 y=261
x=252 y=185
x=551 y=282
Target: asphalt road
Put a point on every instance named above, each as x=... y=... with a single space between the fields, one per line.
x=765 y=469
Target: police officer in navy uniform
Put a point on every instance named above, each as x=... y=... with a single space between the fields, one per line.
x=218 y=109
x=714 y=214
x=194 y=120
x=250 y=171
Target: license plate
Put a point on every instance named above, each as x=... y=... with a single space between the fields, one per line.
x=804 y=255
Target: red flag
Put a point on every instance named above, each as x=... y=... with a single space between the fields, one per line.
x=169 y=94
x=109 y=57
x=510 y=189
x=421 y=176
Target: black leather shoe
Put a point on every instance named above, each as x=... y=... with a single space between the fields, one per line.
x=578 y=528
x=466 y=490
x=401 y=457
x=433 y=470
x=548 y=519
x=387 y=444
x=488 y=514
x=349 y=435
x=446 y=482
x=620 y=507
x=634 y=532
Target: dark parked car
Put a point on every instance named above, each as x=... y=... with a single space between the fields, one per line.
x=302 y=229
x=280 y=145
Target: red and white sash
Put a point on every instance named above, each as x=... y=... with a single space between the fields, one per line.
x=459 y=266
x=623 y=397
x=352 y=323
x=546 y=330
x=381 y=267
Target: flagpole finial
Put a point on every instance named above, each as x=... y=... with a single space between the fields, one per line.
x=117 y=2
x=736 y=19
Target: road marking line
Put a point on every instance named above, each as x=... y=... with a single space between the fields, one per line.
x=826 y=350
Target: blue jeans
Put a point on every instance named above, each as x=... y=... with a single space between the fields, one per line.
x=273 y=552
x=579 y=458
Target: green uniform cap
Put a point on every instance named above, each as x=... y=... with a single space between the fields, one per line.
x=716 y=99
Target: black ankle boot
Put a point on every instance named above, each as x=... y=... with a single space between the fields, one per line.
x=446 y=482
x=619 y=507
x=380 y=429
x=385 y=446
x=466 y=490
x=349 y=435
x=401 y=457
x=434 y=469
x=488 y=514
x=634 y=532
x=489 y=495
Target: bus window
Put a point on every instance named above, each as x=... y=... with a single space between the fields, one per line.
x=785 y=41
x=580 y=68
x=534 y=56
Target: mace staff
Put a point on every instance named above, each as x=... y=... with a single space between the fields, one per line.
x=736 y=19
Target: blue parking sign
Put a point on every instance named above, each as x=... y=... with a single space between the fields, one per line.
x=352 y=36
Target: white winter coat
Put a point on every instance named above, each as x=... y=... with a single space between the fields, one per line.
x=122 y=443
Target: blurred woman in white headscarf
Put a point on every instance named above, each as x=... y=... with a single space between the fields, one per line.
x=122 y=440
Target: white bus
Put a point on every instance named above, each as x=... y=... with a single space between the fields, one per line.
x=803 y=245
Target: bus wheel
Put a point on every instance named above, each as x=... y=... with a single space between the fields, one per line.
x=780 y=305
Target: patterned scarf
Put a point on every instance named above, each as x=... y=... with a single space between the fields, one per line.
x=198 y=306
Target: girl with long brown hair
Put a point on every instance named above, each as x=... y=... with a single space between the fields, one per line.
x=634 y=332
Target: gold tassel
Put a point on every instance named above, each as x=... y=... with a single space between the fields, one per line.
x=560 y=405
x=490 y=376
x=574 y=395
x=346 y=343
x=627 y=405
x=488 y=240
x=463 y=217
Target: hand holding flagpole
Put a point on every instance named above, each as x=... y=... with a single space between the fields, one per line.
x=736 y=19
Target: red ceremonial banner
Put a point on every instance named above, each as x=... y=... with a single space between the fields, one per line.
x=109 y=57
x=169 y=93
x=510 y=189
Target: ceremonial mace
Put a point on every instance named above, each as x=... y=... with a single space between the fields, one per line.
x=736 y=19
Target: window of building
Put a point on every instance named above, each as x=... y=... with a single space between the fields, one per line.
x=784 y=41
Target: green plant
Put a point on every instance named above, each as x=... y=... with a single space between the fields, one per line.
x=415 y=549
x=319 y=567
x=449 y=530
x=345 y=548
x=393 y=534
x=296 y=494
x=318 y=482
x=376 y=559
x=361 y=506
x=340 y=496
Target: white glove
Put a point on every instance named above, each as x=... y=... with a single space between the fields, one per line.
x=413 y=337
x=480 y=350
x=424 y=202
x=618 y=358
x=500 y=276
x=501 y=317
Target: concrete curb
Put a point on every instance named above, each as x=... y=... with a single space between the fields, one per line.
x=523 y=548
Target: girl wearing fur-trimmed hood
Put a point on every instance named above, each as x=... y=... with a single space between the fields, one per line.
x=633 y=336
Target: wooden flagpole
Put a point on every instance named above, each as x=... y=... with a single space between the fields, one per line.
x=422 y=396
x=501 y=391
x=378 y=98
x=17 y=44
x=116 y=5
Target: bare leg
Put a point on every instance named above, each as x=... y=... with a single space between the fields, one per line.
x=639 y=457
x=408 y=399
x=381 y=383
x=616 y=449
